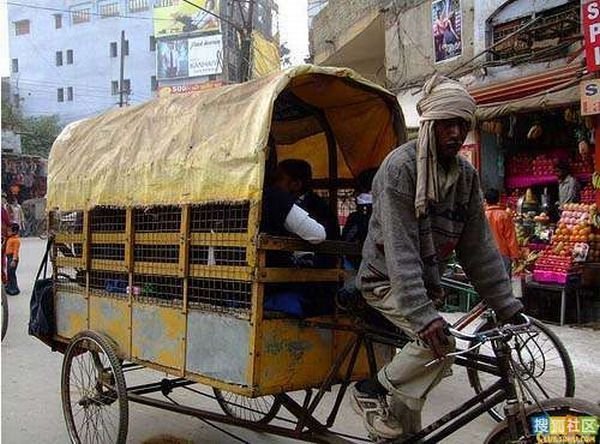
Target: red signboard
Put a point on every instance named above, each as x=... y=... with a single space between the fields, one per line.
x=590 y=17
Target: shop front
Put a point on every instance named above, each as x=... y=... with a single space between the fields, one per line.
x=529 y=129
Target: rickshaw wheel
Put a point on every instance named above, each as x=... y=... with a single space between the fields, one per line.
x=93 y=391
x=259 y=410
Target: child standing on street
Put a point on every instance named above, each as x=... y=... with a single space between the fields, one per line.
x=13 y=247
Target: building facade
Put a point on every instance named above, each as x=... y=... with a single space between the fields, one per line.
x=66 y=55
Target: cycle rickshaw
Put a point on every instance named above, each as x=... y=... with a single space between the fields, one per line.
x=158 y=260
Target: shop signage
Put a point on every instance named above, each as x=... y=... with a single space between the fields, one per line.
x=590 y=97
x=189 y=57
x=183 y=89
x=590 y=12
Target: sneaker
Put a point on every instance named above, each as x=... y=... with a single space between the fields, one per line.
x=378 y=421
x=382 y=426
x=361 y=402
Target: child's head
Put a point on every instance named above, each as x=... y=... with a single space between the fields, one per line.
x=14 y=229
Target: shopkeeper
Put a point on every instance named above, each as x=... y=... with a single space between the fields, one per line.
x=568 y=187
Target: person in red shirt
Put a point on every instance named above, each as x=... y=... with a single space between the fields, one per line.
x=503 y=228
x=5 y=229
x=13 y=249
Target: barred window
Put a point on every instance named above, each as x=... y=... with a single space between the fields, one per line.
x=22 y=27
x=109 y=9
x=163 y=3
x=137 y=5
x=81 y=15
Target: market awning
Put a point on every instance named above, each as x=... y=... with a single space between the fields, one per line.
x=550 y=99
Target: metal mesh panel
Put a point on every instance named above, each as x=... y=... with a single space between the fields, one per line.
x=109 y=283
x=163 y=219
x=156 y=253
x=70 y=280
x=69 y=249
x=107 y=220
x=158 y=289
x=220 y=218
x=115 y=252
x=71 y=222
x=227 y=256
x=219 y=295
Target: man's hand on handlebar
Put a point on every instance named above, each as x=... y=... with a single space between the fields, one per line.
x=434 y=335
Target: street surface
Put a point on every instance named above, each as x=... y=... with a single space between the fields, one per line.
x=31 y=406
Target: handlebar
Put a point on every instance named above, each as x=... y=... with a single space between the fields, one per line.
x=505 y=332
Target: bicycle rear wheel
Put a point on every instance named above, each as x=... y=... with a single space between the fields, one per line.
x=542 y=361
x=554 y=407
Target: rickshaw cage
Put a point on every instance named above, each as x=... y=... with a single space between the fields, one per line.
x=156 y=215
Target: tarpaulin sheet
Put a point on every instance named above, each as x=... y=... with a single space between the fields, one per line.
x=209 y=146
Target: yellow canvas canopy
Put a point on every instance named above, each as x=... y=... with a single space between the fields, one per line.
x=211 y=145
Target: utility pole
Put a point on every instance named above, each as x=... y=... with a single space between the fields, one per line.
x=122 y=72
x=246 y=49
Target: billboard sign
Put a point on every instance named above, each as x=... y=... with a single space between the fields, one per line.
x=179 y=17
x=590 y=12
x=205 y=55
x=590 y=97
x=195 y=57
x=446 y=20
x=188 y=88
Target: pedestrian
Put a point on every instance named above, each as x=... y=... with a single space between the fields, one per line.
x=503 y=228
x=13 y=248
x=427 y=202
x=568 y=186
x=5 y=231
x=15 y=211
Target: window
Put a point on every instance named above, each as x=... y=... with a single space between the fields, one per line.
x=59 y=58
x=110 y=9
x=69 y=56
x=163 y=3
x=81 y=15
x=152 y=44
x=113 y=49
x=137 y=5
x=127 y=86
x=125 y=47
x=15 y=65
x=57 y=21
x=70 y=94
x=114 y=87
x=22 y=27
x=60 y=95
x=153 y=83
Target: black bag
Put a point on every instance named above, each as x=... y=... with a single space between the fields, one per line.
x=41 y=306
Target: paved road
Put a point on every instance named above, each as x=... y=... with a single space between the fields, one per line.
x=31 y=408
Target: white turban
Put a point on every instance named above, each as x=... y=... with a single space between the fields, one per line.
x=442 y=99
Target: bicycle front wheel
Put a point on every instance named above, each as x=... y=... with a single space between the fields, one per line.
x=541 y=360
x=536 y=419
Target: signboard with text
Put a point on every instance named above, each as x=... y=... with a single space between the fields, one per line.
x=590 y=18
x=590 y=97
x=188 y=88
x=194 y=57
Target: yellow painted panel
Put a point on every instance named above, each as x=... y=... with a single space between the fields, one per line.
x=71 y=313
x=71 y=262
x=158 y=335
x=109 y=265
x=111 y=317
x=167 y=269
x=221 y=271
x=68 y=238
x=157 y=238
x=108 y=238
x=293 y=356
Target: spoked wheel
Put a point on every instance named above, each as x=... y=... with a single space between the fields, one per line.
x=555 y=407
x=259 y=410
x=541 y=361
x=4 y=313
x=93 y=389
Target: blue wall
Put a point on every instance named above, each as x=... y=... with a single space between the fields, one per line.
x=92 y=70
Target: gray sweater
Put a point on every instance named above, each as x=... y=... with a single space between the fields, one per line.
x=407 y=253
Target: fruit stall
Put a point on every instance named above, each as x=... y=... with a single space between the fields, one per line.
x=559 y=245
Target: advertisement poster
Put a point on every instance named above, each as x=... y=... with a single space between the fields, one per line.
x=181 y=17
x=205 y=55
x=172 y=59
x=188 y=88
x=447 y=29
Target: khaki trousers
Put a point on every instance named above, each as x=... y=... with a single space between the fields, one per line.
x=406 y=377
